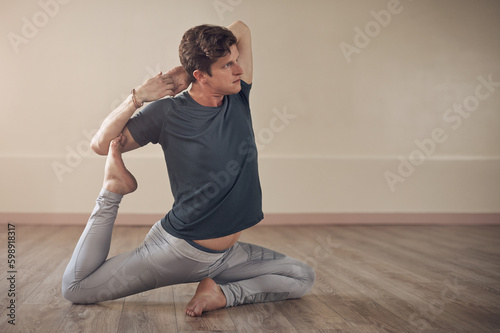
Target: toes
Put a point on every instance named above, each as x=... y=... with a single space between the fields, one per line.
x=121 y=139
x=116 y=140
x=194 y=308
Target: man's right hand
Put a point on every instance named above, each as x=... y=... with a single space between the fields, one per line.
x=181 y=79
x=161 y=85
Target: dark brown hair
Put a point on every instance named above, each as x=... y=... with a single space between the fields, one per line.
x=202 y=45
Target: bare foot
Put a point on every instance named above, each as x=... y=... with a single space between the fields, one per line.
x=208 y=297
x=117 y=178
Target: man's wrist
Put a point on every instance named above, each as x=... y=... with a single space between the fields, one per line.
x=136 y=99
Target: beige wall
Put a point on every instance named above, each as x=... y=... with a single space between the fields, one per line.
x=359 y=101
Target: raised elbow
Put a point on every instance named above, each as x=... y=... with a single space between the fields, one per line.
x=94 y=145
x=242 y=25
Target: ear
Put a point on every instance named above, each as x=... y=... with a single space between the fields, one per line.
x=200 y=76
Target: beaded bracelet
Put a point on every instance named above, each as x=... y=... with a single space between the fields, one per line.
x=137 y=105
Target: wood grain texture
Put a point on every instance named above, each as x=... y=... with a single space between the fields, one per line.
x=369 y=279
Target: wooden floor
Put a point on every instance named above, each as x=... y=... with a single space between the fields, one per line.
x=369 y=279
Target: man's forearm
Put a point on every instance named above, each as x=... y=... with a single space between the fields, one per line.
x=244 y=44
x=112 y=126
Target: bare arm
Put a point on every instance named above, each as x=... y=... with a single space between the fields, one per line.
x=244 y=45
x=159 y=86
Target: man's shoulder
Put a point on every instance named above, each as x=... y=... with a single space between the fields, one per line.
x=170 y=103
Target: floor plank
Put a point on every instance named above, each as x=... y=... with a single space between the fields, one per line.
x=150 y=311
x=104 y=317
x=263 y=317
x=309 y=313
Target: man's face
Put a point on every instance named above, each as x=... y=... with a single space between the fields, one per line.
x=226 y=74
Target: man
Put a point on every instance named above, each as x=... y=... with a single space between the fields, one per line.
x=207 y=138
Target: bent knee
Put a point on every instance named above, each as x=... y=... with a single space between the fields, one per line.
x=305 y=276
x=309 y=277
x=76 y=296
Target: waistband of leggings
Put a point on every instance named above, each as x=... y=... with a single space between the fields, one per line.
x=183 y=248
x=202 y=248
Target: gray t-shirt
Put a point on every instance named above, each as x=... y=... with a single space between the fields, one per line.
x=211 y=160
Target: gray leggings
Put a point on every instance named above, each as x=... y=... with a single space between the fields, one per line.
x=246 y=273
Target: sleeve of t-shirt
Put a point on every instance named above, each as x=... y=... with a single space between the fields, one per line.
x=146 y=126
x=245 y=91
